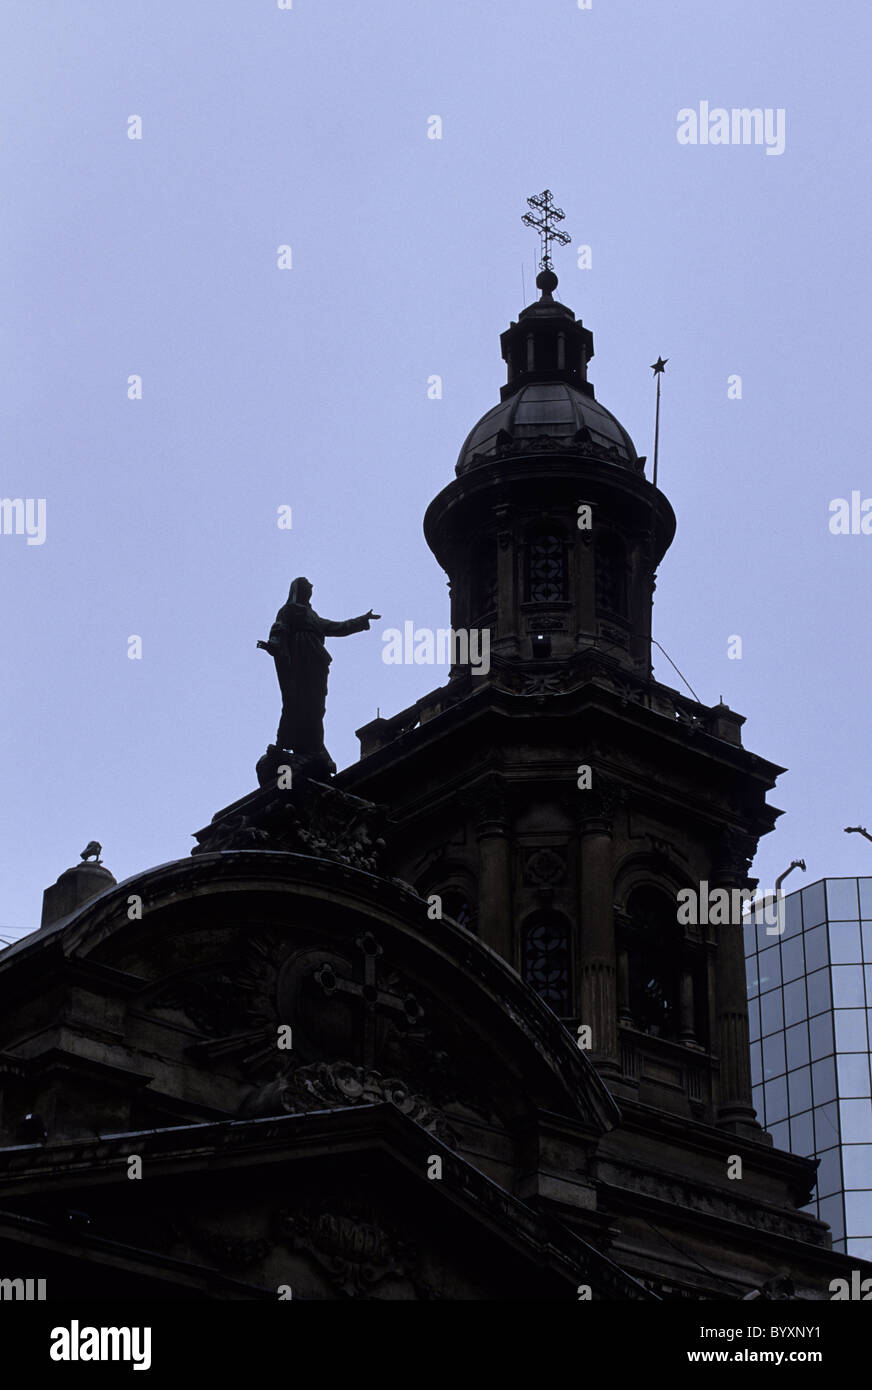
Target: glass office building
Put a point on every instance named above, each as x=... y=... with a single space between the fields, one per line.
x=810 y=1008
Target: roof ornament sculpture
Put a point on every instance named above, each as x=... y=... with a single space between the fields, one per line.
x=296 y=644
x=543 y=204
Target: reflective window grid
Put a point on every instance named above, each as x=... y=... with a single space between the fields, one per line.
x=810 y=1014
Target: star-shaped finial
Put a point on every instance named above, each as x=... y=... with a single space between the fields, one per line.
x=659 y=366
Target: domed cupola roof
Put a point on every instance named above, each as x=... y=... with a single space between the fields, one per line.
x=548 y=410
x=547 y=402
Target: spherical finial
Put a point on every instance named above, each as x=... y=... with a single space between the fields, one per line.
x=546 y=281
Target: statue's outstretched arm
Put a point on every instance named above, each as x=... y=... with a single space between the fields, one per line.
x=346 y=628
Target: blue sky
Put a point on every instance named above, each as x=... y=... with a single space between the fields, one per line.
x=308 y=387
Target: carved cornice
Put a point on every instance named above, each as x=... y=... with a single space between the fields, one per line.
x=315 y=819
x=329 y=1085
x=733 y=856
x=707 y=1202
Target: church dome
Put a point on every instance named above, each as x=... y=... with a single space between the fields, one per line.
x=554 y=410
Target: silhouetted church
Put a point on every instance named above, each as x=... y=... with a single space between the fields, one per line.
x=273 y=1066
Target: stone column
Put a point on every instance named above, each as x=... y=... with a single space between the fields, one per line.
x=507 y=584
x=495 y=924
x=640 y=598
x=623 y=970
x=686 y=1032
x=735 y=1108
x=460 y=592
x=597 y=962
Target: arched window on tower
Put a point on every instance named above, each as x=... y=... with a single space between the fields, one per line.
x=611 y=575
x=652 y=941
x=546 y=567
x=545 y=958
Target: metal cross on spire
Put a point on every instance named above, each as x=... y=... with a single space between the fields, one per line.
x=544 y=203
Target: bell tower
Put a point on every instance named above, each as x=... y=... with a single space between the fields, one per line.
x=558 y=798
x=550 y=533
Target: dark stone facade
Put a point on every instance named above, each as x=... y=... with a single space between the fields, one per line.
x=339 y=1050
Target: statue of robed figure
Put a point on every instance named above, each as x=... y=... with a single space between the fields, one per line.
x=296 y=644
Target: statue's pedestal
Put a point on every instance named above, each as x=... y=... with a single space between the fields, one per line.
x=309 y=817
x=278 y=767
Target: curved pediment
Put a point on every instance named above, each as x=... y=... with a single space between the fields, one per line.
x=377 y=1002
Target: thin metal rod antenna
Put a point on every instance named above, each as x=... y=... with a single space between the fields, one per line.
x=523 y=285
x=657 y=429
x=658 y=368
